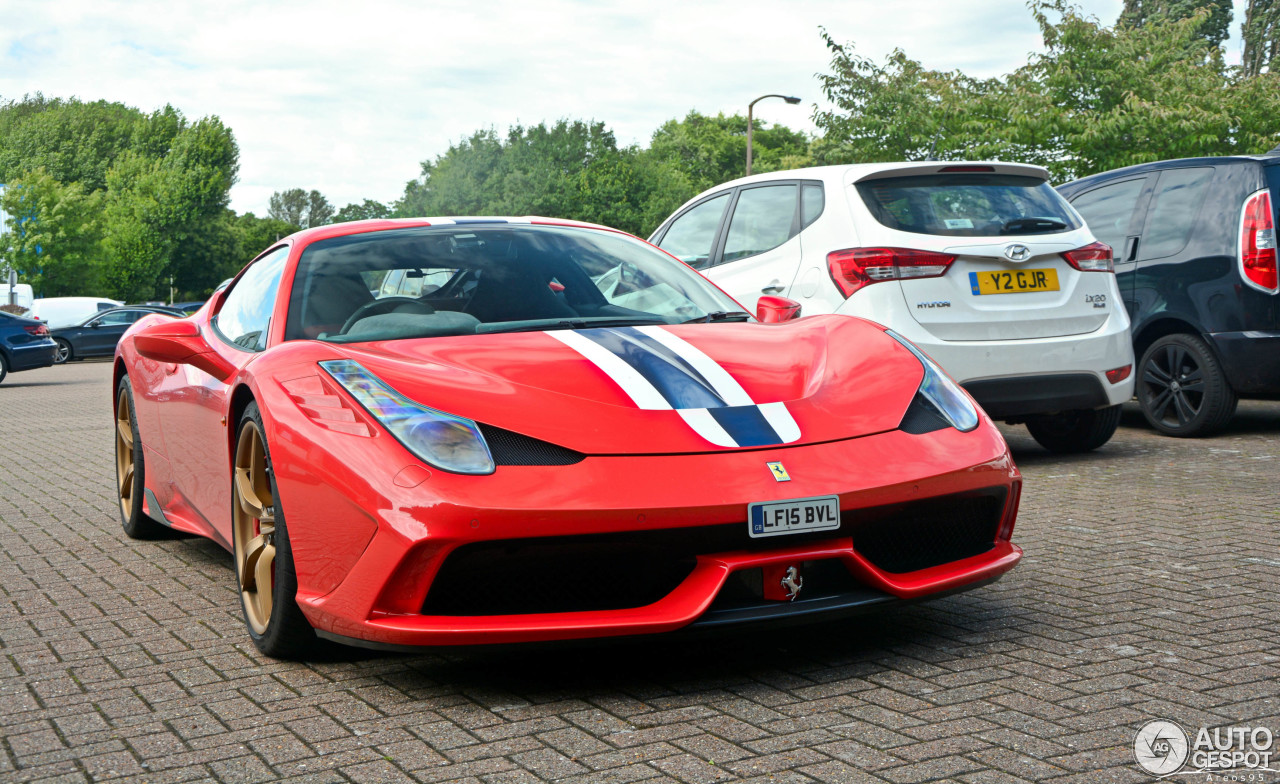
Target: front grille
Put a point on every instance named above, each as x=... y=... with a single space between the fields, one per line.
x=635 y=568
x=513 y=449
x=906 y=537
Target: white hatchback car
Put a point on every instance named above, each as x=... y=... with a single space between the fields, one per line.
x=983 y=265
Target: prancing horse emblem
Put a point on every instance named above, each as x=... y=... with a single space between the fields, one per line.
x=1017 y=252
x=779 y=471
x=793 y=582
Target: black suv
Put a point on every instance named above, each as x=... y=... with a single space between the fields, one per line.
x=1195 y=257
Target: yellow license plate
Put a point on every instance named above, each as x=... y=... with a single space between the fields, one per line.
x=1014 y=281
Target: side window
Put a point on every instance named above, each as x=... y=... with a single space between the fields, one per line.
x=762 y=220
x=119 y=317
x=246 y=313
x=690 y=237
x=1174 y=208
x=1108 y=211
x=812 y=200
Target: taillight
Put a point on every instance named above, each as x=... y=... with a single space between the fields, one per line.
x=40 y=331
x=857 y=267
x=1258 y=243
x=1095 y=257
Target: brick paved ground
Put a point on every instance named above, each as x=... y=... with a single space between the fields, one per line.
x=1149 y=590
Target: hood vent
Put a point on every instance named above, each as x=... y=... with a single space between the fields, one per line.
x=513 y=449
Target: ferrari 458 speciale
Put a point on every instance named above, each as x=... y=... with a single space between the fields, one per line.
x=469 y=431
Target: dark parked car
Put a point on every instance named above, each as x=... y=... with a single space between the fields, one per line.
x=1195 y=256
x=24 y=344
x=98 y=335
x=188 y=307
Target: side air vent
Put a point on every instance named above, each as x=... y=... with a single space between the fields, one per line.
x=513 y=449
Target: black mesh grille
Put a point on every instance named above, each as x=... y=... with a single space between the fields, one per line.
x=907 y=537
x=635 y=568
x=513 y=449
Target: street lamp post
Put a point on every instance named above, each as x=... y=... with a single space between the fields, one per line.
x=791 y=99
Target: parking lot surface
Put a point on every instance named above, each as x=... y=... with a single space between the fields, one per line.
x=1149 y=590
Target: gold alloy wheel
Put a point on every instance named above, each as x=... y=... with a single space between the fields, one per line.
x=124 y=453
x=254 y=527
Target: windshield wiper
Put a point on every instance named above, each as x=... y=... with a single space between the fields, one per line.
x=538 y=325
x=1020 y=225
x=720 y=315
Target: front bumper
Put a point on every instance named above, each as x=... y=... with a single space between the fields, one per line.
x=384 y=597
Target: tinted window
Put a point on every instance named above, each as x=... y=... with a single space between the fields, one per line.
x=689 y=238
x=1174 y=208
x=120 y=317
x=467 y=280
x=967 y=205
x=762 y=220
x=1108 y=211
x=246 y=314
x=812 y=201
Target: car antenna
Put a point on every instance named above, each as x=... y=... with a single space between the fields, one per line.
x=933 y=146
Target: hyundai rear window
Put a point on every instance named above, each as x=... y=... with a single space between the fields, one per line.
x=968 y=205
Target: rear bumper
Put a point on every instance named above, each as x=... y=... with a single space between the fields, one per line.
x=389 y=596
x=1251 y=361
x=1019 y=396
x=30 y=356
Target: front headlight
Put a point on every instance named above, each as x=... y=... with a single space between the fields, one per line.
x=938 y=392
x=445 y=441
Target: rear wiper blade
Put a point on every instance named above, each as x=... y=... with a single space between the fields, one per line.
x=1019 y=225
x=720 y=315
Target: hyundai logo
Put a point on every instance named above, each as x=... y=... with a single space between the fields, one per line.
x=1017 y=252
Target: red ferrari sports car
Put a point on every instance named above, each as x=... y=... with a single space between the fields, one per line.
x=466 y=431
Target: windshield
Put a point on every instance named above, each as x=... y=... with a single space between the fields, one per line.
x=472 y=279
x=968 y=205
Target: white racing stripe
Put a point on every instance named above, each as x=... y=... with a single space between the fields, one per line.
x=724 y=384
x=644 y=394
x=704 y=425
x=780 y=419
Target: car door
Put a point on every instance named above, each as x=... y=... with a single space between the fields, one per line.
x=104 y=332
x=759 y=250
x=1161 y=281
x=196 y=403
x=1113 y=212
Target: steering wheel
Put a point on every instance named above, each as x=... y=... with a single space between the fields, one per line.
x=386 y=305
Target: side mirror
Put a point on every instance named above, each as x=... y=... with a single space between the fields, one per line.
x=179 y=342
x=773 y=310
x=95 y=325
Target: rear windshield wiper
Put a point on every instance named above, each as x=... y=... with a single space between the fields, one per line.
x=1028 y=225
x=720 y=315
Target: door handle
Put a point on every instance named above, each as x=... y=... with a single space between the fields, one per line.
x=774 y=287
x=1130 y=249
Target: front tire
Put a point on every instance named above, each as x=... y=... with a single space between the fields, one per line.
x=131 y=470
x=265 y=573
x=4 y=366
x=1075 y=431
x=64 y=352
x=1182 y=389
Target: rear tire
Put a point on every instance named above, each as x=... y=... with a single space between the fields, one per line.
x=131 y=470
x=262 y=551
x=1182 y=389
x=64 y=352
x=1075 y=431
x=4 y=366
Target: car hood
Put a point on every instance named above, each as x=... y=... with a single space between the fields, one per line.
x=662 y=390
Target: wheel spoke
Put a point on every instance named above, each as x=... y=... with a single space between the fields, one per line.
x=1161 y=403
x=126 y=481
x=250 y=504
x=253 y=552
x=125 y=429
x=263 y=576
x=1156 y=374
x=1193 y=386
x=1183 y=408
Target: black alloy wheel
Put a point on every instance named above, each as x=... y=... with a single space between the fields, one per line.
x=1182 y=389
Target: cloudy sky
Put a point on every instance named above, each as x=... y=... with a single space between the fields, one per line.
x=349 y=97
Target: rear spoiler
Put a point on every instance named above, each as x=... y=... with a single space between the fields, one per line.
x=952 y=167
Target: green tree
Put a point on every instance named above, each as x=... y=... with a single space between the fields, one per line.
x=366 y=210
x=712 y=150
x=1215 y=30
x=1097 y=98
x=304 y=209
x=1261 y=32
x=257 y=234
x=55 y=234
x=71 y=140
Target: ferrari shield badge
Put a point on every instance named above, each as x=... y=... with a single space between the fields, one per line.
x=779 y=472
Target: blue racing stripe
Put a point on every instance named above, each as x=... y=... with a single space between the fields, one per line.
x=673 y=377
x=746 y=425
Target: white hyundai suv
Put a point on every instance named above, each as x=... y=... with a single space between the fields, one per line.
x=983 y=265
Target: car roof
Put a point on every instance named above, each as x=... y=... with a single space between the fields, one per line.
x=387 y=224
x=1170 y=163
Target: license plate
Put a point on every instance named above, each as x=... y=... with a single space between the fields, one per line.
x=1014 y=281
x=775 y=518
